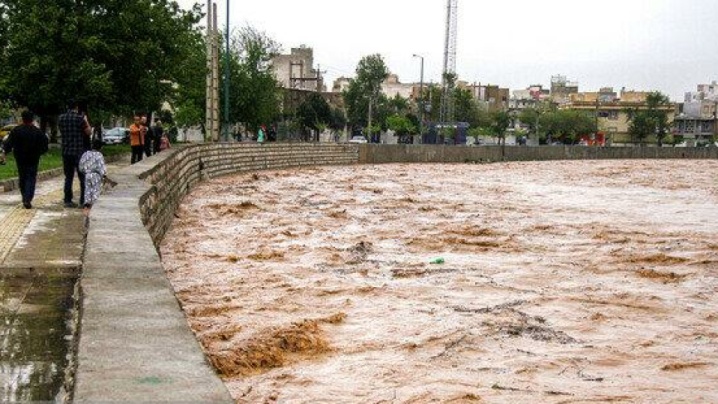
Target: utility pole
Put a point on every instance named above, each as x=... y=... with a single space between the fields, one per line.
x=215 y=76
x=226 y=80
x=212 y=110
x=421 y=96
x=208 y=126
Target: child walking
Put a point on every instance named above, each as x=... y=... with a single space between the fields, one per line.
x=92 y=164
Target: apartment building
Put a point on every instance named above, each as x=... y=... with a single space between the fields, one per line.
x=697 y=122
x=612 y=110
x=490 y=97
x=296 y=70
x=561 y=89
x=531 y=97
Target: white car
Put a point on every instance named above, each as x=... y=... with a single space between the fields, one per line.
x=358 y=139
x=115 y=136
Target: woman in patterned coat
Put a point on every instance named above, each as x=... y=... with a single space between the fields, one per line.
x=92 y=164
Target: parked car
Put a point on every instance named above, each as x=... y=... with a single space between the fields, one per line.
x=358 y=139
x=116 y=136
x=5 y=130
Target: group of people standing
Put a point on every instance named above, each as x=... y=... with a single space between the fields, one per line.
x=145 y=139
x=81 y=153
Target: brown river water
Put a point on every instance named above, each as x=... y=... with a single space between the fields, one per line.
x=561 y=282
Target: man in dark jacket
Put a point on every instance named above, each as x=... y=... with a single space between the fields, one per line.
x=75 y=131
x=28 y=143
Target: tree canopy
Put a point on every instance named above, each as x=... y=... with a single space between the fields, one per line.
x=116 y=56
x=364 y=92
x=254 y=91
x=653 y=120
x=314 y=113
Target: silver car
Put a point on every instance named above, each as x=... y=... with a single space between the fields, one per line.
x=116 y=136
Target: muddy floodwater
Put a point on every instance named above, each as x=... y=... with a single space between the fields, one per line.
x=555 y=282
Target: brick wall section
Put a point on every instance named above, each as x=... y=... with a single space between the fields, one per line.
x=379 y=154
x=172 y=178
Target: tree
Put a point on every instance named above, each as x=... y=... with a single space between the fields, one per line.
x=499 y=123
x=402 y=126
x=314 y=113
x=338 y=121
x=651 y=120
x=371 y=73
x=466 y=109
x=432 y=97
x=567 y=125
x=116 y=56
x=398 y=105
x=254 y=92
x=531 y=117
x=189 y=99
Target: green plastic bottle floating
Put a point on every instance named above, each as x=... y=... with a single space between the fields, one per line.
x=438 y=261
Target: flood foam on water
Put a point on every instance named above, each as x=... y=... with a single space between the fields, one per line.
x=561 y=282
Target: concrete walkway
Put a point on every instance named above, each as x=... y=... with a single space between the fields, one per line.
x=135 y=344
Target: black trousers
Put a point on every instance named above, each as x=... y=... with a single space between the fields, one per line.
x=148 y=146
x=28 y=181
x=137 y=154
x=71 y=165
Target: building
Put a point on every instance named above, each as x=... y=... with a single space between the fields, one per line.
x=528 y=98
x=561 y=89
x=341 y=84
x=612 y=110
x=696 y=122
x=491 y=98
x=296 y=70
x=391 y=87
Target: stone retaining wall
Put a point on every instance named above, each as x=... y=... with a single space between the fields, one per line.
x=379 y=154
x=174 y=177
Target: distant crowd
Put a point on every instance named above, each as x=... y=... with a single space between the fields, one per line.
x=145 y=139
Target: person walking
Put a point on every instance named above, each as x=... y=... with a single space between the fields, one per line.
x=261 y=134
x=157 y=133
x=92 y=164
x=137 y=139
x=75 y=132
x=28 y=143
x=148 y=136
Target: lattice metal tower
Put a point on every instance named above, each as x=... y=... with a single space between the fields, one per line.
x=449 y=72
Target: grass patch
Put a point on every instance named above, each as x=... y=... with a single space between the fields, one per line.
x=53 y=159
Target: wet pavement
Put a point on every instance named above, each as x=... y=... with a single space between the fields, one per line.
x=35 y=314
x=40 y=260
x=566 y=281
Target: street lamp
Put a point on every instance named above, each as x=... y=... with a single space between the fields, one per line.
x=421 y=96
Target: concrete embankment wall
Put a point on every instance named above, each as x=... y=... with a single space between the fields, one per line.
x=135 y=343
x=380 y=154
x=174 y=177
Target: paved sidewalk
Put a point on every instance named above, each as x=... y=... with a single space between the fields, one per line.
x=40 y=260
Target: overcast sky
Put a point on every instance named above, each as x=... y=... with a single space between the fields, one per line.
x=665 y=45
